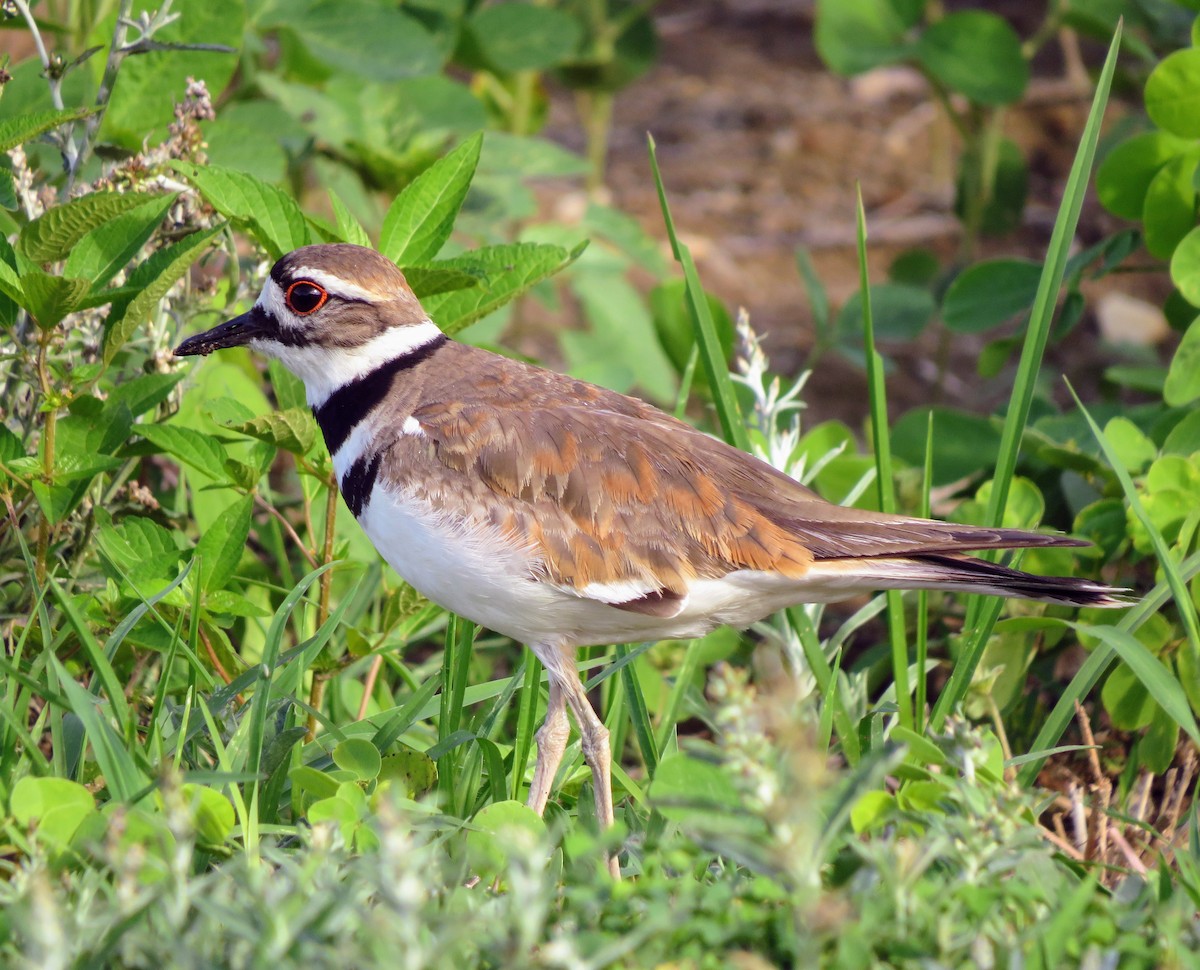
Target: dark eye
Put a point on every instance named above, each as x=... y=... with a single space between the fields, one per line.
x=305 y=297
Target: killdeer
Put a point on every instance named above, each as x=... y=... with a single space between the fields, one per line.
x=562 y=514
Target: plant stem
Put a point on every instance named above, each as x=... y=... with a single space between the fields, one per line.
x=316 y=693
x=48 y=446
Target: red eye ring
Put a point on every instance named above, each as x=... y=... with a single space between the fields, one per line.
x=304 y=297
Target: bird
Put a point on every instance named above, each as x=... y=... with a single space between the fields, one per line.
x=564 y=515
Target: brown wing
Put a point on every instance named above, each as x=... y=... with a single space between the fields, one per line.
x=613 y=493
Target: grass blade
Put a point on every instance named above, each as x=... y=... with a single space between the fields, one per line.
x=983 y=611
x=733 y=428
x=884 y=479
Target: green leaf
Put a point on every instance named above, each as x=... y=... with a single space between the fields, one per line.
x=1169 y=212
x=509 y=270
x=1126 y=172
x=53 y=235
x=212 y=814
x=292 y=429
x=142 y=546
x=513 y=37
x=1183 y=379
x=1135 y=450
x=433 y=279
x=145 y=391
x=899 y=312
x=1173 y=94
x=421 y=218
x=195 y=448
x=977 y=54
x=109 y=247
x=1161 y=684
x=156 y=276
x=367 y=39
x=1185 y=267
x=50 y=298
x=349 y=228
x=853 y=36
x=685 y=788
x=989 y=293
x=56 y=806
x=266 y=211
x=17 y=131
x=501 y=833
x=221 y=546
x=358 y=756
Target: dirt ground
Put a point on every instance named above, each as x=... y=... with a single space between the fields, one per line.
x=761 y=147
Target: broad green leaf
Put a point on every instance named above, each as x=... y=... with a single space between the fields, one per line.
x=50 y=298
x=358 y=756
x=1185 y=267
x=899 y=312
x=432 y=279
x=685 y=788
x=53 y=806
x=1157 y=747
x=349 y=228
x=212 y=814
x=292 y=429
x=853 y=36
x=17 y=131
x=156 y=276
x=1135 y=450
x=109 y=247
x=1169 y=212
x=989 y=293
x=202 y=451
x=1126 y=172
x=221 y=546
x=266 y=211
x=254 y=137
x=145 y=391
x=76 y=466
x=977 y=54
x=1158 y=681
x=1173 y=93
x=509 y=269
x=1183 y=379
x=964 y=444
x=513 y=37
x=142 y=545
x=53 y=235
x=500 y=833
x=421 y=218
x=367 y=39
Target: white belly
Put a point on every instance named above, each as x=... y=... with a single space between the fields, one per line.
x=484 y=576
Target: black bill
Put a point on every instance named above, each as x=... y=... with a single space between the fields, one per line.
x=232 y=333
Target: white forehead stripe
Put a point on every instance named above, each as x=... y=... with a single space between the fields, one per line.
x=335 y=285
x=271 y=301
x=325 y=369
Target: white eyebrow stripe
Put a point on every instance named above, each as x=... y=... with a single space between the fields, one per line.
x=335 y=285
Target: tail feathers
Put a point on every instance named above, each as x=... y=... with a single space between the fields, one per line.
x=966 y=574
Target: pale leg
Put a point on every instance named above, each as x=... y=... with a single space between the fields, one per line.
x=593 y=735
x=551 y=743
